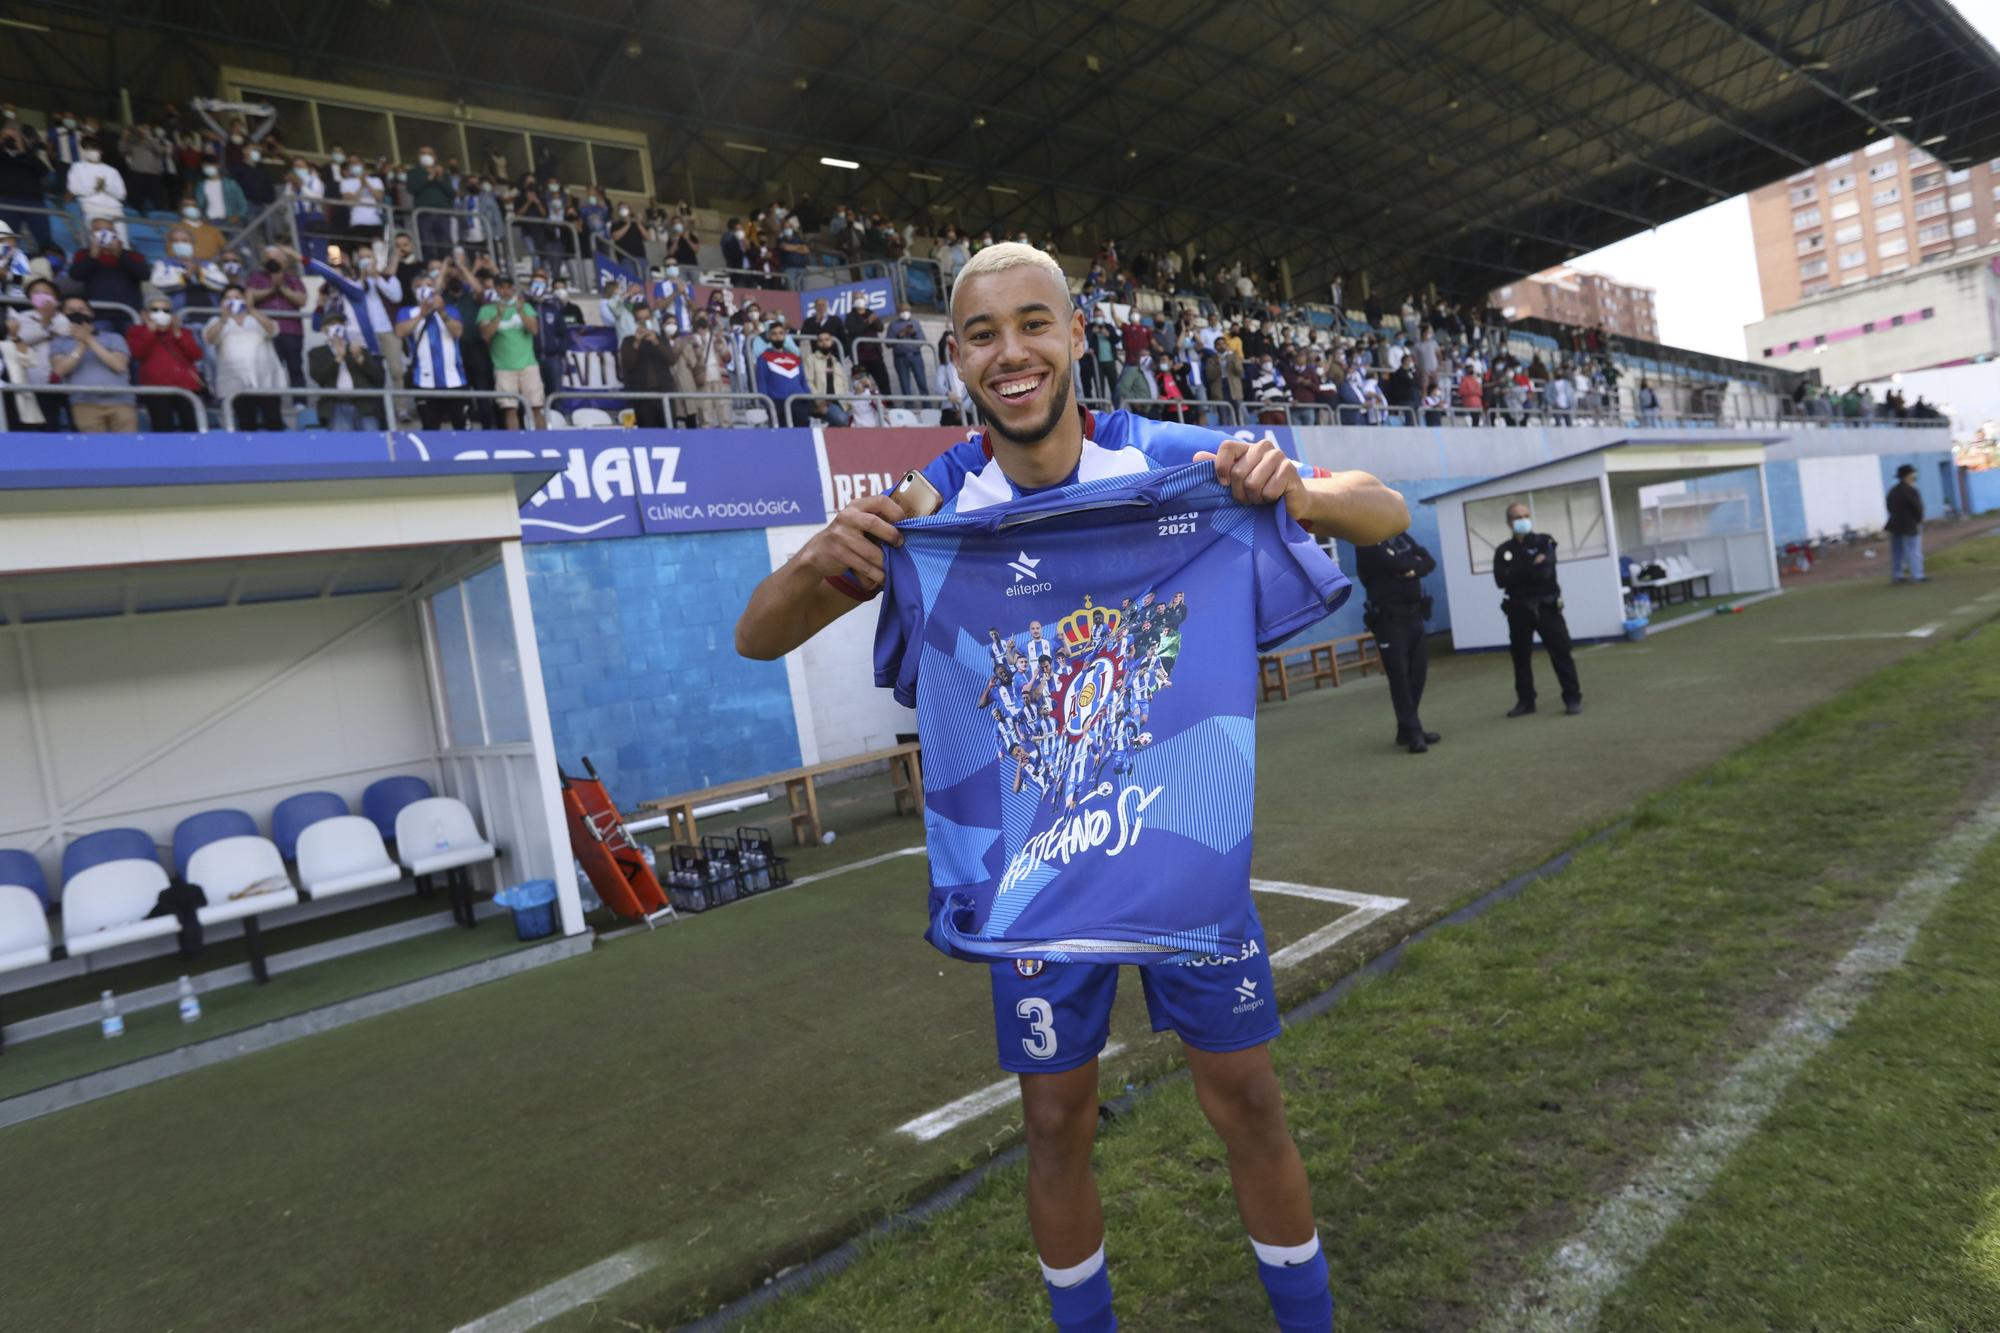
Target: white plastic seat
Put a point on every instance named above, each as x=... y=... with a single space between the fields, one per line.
x=106 y=905
x=439 y=834
x=24 y=929
x=899 y=416
x=557 y=420
x=590 y=418
x=343 y=855
x=228 y=865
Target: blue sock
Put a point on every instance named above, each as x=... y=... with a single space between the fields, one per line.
x=1295 y=1278
x=1083 y=1303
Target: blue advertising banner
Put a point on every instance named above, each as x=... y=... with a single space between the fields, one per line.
x=632 y=482
x=876 y=294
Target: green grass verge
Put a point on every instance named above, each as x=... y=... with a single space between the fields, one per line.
x=1459 y=1115
x=1973 y=553
x=1870 y=1199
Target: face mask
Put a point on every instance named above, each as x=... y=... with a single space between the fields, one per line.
x=236 y=138
x=236 y=307
x=106 y=239
x=738 y=233
x=562 y=293
x=670 y=329
x=367 y=262
x=492 y=294
x=537 y=287
x=272 y=266
x=673 y=270
x=355 y=171
x=92 y=155
x=426 y=160
x=42 y=301
x=902 y=314
x=211 y=172
x=183 y=249
x=69 y=122
x=486 y=187
x=303 y=173
x=554 y=188
x=1523 y=526
x=624 y=212
x=253 y=157
x=678 y=229
x=425 y=293
x=159 y=319
x=338 y=157
x=231 y=266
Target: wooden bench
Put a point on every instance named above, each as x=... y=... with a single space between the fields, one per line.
x=1318 y=662
x=904 y=764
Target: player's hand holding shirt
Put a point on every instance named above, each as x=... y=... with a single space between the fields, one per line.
x=1114 y=824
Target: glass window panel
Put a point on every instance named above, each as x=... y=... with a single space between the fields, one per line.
x=414 y=133
x=1572 y=514
x=502 y=153
x=618 y=168
x=495 y=657
x=362 y=133
x=564 y=159
x=455 y=671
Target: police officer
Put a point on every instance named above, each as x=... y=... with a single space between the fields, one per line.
x=1392 y=572
x=1525 y=568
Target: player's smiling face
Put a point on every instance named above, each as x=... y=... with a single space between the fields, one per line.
x=1017 y=337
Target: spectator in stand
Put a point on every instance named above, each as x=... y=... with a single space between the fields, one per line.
x=168 y=356
x=207 y=239
x=482 y=224
x=862 y=324
x=31 y=332
x=254 y=180
x=555 y=316
x=306 y=193
x=431 y=329
x=645 y=366
x=367 y=299
x=24 y=169
x=821 y=319
x=177 y=273
x=87 y=357
x=220 y=197
x=110 y=273
x=710 y=350
x=1266 y=386
x=908 y=335
x=531 y=222
x=408 y=266
x=96 y=188
x=683 y=368
x=826 y=378
x=1559 y=398
x=1649 y=405
x=65 y=149
x=683 y=242
x=1133 y=384
x=509 y=325
x=628 y=236
x=245 y=361
x=1371 y=310
x=952 y=255
x=430 y=188
x=278 y=290
x=794 y=254
x=342 y=363
x=735 y=250
x=149 y=164
x=362 y=193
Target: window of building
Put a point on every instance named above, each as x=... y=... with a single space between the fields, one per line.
x=1919 y=158
x=1894 y=266
x=1840 y=161
x=1929 y=208
x=1936 y=231
x=1847 y=208
x=1882 y=171
x=1815 y=288
x=1879 y=147
x=1853 y=258
x=1805 y=175
x=1961 y=201
x=1840 y=185
x=1805 y=218
x=1929 y=180
x=1812 y=268
x=1851 y=232
x=1888 y=194
x=1572 y=514
x=1804 y=194
x=1959 y=177
x=1894 y=245
x=1964 y=226
x=1808 y=244
x=1890 y=220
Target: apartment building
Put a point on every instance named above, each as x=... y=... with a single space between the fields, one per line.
x=1565 y=295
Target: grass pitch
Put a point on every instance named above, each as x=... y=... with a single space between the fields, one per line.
x=717 y=1100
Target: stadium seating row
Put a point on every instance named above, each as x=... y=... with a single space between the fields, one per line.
x=113 y=880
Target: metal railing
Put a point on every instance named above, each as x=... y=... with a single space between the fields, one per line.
x=109 y=390
x=926 y=354
x=734 y=401
x=929 y=274
x=18 y=303
x=1191 y=410
x=884 y=403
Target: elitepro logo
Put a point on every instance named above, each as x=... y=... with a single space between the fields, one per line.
x=1024 y=568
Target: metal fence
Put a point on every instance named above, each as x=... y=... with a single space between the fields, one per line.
x=105 y=391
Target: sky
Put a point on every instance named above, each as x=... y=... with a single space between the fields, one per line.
x=1703 y=270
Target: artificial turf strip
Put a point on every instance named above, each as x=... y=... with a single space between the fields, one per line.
x=1870 y=1199
x=1463 y=1112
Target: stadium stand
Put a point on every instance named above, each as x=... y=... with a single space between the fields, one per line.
x=685 y=316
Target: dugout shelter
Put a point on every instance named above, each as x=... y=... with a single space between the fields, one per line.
x=1699 y=506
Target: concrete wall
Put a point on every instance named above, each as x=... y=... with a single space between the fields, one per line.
x=1961 y=295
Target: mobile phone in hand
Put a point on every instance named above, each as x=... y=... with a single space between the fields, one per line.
x=915 y=495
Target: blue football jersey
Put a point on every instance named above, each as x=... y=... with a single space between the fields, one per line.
x=1112 y=822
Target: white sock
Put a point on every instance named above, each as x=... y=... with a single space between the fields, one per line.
x=1069 y=1277
x=1284 y=1256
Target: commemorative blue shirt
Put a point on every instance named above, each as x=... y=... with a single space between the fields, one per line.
x=1083 y=662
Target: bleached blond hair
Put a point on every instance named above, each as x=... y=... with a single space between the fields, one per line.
x=1000 y=257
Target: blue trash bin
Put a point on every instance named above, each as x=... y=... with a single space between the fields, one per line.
x=533 y=903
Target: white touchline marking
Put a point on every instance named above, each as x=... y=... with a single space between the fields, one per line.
x=564 y=1294
x=1925 y=631
x=1987 y=597
x=1965 y=608
x=804 y=880
x=1576 y=1279
x=1368 y=908
x=936 y=1124
x=1922 y=633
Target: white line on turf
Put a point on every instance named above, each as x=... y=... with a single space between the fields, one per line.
x=564 y=1294
x=936 y=1124
x=1575 y=1281
x=1920 y=632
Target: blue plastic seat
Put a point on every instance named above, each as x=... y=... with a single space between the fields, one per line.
x=197 y=831
x=295 y=814
x=23 y=869
x=385 y=799
x=112 y=844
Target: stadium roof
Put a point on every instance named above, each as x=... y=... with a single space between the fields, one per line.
x=1466 y=143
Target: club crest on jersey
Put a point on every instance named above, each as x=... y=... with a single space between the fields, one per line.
x=1028 y=967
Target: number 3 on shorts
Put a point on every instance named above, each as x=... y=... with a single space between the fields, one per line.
x=1042 y=1023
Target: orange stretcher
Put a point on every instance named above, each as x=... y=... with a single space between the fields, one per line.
x=610 y=857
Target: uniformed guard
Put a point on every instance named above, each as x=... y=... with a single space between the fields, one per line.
x=1392 y=573
x=1525 y=568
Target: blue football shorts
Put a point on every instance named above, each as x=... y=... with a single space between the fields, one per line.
x=1049 y=1017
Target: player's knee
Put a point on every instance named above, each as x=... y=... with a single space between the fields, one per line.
x=1247 y=1111
x=1059 y=1123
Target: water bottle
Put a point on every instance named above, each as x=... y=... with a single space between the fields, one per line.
x=109 y=1019
x=439 y=841
x=190 y=1005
